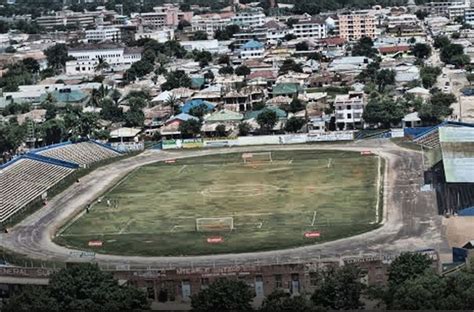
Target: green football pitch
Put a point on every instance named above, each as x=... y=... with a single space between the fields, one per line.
x=267 y=204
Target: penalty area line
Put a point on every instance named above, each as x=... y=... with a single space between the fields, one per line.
x=314 y=218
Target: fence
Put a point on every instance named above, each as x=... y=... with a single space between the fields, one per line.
x=126 y=147
x=260 y=140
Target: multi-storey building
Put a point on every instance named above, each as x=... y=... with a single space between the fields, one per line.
x=210 y=23
x=441 y=7
x=349 y=109
x=166 y=15
x=469 y=16
x=161 y=35
x=455 y=11
x=311 y=28
x=251 y=50
x=249 y=19
x=354 y=25
x=65 y=18
x=87 y=58
x=103 y=33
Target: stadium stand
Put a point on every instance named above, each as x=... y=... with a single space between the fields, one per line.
x=84 y=153
x=28 y=177
x=25 y=180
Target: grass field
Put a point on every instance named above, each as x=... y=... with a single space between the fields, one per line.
x=153 y=211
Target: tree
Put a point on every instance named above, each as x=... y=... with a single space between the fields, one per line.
x=421 y=50
x=441 y=42
x=290 y=65
x=384 y=78
x=369 y=73
x=226 y=70
x=115 y=95
x=190 y=128
x=203 y=57
x=176 y=79
x=227 y=33
x=384 y=110
x=339 y=289
x=460 y=60
x=198 y=111
x=407 y=266
x=267 y=119
x=221 y=131
x=134 y=118
x=364 y=47
x=296 y=105
x=437 y=108
x=53 y=131
x=429 y=75
x=31 y=65
x=200 y=35
x=289 y=37
x=10 y=49
x=57 y=55
x=244 y=128
x=82 y=287
x=209 y=76
x=111 y=111
x=302 y=46
x=280 y=301
x=449 y=51
x=421 y=14
x=223 y=295
x=141 y=68
x=294 y=124
x=242 y=70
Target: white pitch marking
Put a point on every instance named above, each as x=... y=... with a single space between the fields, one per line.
x=329 y=162
x=314 y=218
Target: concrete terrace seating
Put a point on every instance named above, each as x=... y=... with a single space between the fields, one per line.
x=83 y=153
x=429 y=140
x=24 y=181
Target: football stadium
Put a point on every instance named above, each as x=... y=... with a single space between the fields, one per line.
x=232 y=203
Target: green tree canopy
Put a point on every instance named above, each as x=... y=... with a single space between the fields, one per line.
x=384 y=78
x=429 y=75
x=421 y=50
x=267 y=119
x=280 y=301
x=294 y=124
x=81 y=287
x=176 y=79
x=364 y=47
x=223 y=295
x=384 y=110
x=407 y=266
x=57 y=55
x=290 y=65
x=242 y=70
x=190 y=128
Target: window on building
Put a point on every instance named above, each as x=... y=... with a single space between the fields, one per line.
x=278 y=281
x=349 y=116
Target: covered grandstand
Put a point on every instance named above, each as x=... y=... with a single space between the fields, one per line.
x=453 y=174
x=27 y=179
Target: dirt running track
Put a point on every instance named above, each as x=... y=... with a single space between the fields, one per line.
x=410 y=219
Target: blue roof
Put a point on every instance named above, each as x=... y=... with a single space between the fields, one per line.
x=196 y=103
x=183 y=117
x=252 y=44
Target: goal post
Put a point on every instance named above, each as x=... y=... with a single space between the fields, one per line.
x=257 y=157
x=214 y=224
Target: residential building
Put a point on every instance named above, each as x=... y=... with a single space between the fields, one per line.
x=161 y=35
x=210 y=23
x=103 y=33
x=213 y=46
x=455 y=11
x=245 y=36
x=88 y=56
x=165 y=15
x=65 y=18
x=469 y=16
x=311 y=28
x=354 y=25
x=275 y=31
x=348 y=110
x=403 y=20
x=251 y=50
x=249 y=19
x=441 y=7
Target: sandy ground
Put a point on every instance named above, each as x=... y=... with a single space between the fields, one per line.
x=459 y=230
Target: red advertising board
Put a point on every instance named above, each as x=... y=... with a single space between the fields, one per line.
x=312 y=234
x=366 y=153
x=95 y=243
x=215 y=240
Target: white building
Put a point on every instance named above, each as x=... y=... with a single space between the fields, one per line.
x=210 y=23
x=469 y=16
x=213 y=46
x=402 y=20
x=457 y=11
x=103 y=33
x=349 y=109
x=275 y=31
x=87 y=58
x=162 y=35
x=252 y=50
x=249 y=19
x=311 y=28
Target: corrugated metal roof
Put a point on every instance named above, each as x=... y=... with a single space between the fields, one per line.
x=457 y=146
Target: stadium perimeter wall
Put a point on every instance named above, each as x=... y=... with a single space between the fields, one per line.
x=259 y=140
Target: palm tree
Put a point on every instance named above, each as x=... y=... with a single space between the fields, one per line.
x=115 y=95
x=102 y=65
x=172 y=101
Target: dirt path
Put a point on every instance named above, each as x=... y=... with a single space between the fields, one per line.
x=410 y=219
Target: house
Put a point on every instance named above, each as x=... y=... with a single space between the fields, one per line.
x=171 y=126
x=229 y=119
x=252 y=50
x=394 y=51
x=419 y=92
x=411 y=120
x=310 y=28
x=349 y=64
x=406 y=72
x=251 y=118
x=286 y=89
x=67 y=96
x=192 y=104
x=348 y=110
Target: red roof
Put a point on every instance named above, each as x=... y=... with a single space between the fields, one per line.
x=333 y=41
x=266 y=74
x=394 y=49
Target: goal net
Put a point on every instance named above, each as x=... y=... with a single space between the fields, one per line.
x=249 y=158
x=214 y=224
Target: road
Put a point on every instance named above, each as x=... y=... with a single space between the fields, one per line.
x=410 y=219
